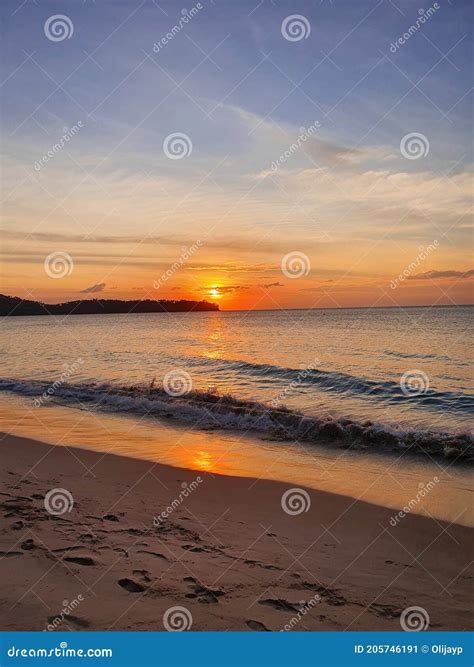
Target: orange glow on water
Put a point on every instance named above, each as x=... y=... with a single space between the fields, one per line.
x=203 y=460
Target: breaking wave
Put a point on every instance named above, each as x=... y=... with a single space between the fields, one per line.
x=209 y=410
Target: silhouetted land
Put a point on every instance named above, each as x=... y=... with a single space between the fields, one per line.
x=14 y=306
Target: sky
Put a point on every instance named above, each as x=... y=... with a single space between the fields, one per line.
x=257 y=154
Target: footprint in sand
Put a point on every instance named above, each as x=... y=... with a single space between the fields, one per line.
x=257 y=626
x=27 y=545
x=386 y=611
x=17 y=525
x=191 y=547
x=131 y=586
x=155 y=554
x=80 y=560
x=330 y=595
x=282 y=605
x=202 y=593
x=76 y=620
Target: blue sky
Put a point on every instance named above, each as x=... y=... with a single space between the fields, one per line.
x=241 y=92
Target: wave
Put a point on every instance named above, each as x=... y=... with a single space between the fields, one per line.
x=346 y=384
x=415 y=355
x=210 y=411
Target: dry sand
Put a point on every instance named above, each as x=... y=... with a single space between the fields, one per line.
x=227 y=553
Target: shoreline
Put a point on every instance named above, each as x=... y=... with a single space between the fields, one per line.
x=227 y=552
x=367 y=476
x=226 y=413
x=267 y=310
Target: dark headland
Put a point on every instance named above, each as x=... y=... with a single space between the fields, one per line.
x=14 y=306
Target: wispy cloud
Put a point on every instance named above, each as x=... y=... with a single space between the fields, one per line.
x=436 y=275
x=226 y=289
x=99 y=287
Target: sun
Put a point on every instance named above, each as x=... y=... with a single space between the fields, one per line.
x=214 y=292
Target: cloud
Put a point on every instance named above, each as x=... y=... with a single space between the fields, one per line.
x=321 y=150
x=99 y=287
x=434 y=275
x=245 y=242
x=317 y=288
x=382 y=192
x=225 y=289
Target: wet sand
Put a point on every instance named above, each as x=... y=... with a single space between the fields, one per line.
x=142 y=538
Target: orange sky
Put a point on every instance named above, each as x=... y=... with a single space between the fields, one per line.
x=274 y=194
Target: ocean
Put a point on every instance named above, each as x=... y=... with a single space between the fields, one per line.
x=266 y=393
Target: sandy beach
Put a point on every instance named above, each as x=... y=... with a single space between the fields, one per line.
x=139 y=538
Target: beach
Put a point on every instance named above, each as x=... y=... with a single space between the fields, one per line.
x=127 y=544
